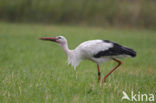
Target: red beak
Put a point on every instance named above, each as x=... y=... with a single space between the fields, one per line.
x=49 y=38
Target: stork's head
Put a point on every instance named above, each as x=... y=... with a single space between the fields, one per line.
x=59 y=39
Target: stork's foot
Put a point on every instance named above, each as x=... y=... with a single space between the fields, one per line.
x=99 y=76
x=104 y=80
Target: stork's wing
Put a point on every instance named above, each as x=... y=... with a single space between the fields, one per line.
x=116 y=50
x=99 y=48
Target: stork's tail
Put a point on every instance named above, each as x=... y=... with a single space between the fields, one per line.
x=129 y=52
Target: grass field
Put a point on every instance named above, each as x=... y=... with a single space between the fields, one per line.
x=34 y=71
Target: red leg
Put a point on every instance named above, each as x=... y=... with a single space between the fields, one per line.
x=99 y=74
x=119 y=63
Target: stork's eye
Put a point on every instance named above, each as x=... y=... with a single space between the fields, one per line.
x=59 y=37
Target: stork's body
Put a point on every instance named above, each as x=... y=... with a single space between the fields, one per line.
x=98 y=51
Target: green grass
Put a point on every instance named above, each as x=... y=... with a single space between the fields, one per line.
x=34 y=71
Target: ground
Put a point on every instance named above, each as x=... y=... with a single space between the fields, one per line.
x=35 y=71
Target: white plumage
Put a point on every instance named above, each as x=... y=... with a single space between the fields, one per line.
x=86 y=50
x=98 y=51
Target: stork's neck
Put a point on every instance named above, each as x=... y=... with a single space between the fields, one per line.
x=73 y=55
x=66 y=49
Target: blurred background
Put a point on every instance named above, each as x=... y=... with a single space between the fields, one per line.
x=130 y=13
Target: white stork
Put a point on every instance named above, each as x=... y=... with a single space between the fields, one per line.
x=98 y=51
